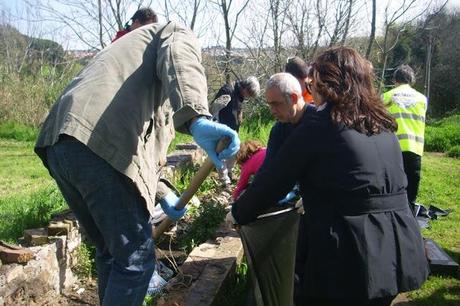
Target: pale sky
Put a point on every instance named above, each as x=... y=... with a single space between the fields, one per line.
x=20 y=15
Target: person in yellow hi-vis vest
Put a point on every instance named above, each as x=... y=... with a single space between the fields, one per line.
x=408 y=107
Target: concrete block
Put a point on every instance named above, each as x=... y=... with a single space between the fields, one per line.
x=205 y=250
x=36 y=236
x=204 y=272
x=58 y=228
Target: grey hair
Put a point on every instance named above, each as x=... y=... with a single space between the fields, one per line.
x=286 y=83
x=404 y=74
x=251 y=84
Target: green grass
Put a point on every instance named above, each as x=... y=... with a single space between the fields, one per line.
x=28 y=196
x=440 y=187
x=454 y=151
x=21 y=171
x=20 y=212
x=18 y=131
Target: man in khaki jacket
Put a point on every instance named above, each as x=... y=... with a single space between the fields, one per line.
x=106 y=138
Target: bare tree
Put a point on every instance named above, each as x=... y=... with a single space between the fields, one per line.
x=300 y=24
x=278 y=13
x=230 y=25
x=256 y=42
x=321 y=21
x=391 y=19
x=340 y=23
x=92 y=22
x=373 y=23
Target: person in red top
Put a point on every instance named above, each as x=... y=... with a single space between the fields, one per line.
x=250 y=157
x=140 y=18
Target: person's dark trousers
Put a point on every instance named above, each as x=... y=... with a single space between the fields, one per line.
x=113 y=214
x=385 y=301
x=412 y=167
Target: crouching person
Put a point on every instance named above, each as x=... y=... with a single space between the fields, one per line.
x=106 y=137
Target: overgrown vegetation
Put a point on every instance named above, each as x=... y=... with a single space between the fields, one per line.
x=33 y=73
x=442 y=135
x=28 y=211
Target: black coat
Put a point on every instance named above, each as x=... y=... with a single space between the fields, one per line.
x=229 y=114
x=363 y=240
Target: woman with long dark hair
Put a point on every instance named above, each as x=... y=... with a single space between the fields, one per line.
x=364 y=245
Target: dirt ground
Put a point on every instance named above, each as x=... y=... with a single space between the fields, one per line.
x=81 y=293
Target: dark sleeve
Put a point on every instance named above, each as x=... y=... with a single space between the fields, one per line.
x=224 y=90
x=276 y=179
x=274 y=141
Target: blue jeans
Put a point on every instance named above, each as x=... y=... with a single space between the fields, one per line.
x=114 y=216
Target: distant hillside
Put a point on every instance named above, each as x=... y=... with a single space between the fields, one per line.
x=17 y=49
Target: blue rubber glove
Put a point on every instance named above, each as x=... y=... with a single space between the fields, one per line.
x=290 y=197
x=207 y=134
x=168 y=204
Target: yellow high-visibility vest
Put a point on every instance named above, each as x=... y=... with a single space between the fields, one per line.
x=408 y=107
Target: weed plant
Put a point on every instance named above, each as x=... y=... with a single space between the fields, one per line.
x=206 y=219
x=86 y=265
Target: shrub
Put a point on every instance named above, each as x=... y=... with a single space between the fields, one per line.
x=443 y=134
x=454 y=151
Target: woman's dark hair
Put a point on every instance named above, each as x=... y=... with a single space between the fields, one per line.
x=345 y=80
x=247 y=149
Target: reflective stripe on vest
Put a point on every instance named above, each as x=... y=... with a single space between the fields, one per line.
x=409 y=116
x=411 y=137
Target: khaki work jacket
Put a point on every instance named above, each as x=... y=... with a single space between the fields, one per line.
x=125 y=104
